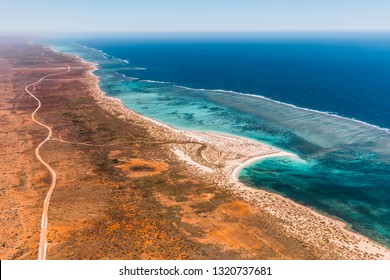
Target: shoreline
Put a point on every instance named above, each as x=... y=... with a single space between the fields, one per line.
x=232 y=167
x=236 y=172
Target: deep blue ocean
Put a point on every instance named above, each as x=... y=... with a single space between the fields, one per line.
x=325 y=97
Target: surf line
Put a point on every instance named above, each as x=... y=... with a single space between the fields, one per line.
x=42 y=249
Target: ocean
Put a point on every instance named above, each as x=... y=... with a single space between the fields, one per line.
x=324 y=97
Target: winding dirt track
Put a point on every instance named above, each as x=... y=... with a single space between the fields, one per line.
x=43 y=236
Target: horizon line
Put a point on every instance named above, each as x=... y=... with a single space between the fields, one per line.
x=200 y=31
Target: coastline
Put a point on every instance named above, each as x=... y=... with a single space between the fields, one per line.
x=236 y=171
x=233 y=161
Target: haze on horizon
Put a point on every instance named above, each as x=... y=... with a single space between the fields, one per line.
x=47 y=16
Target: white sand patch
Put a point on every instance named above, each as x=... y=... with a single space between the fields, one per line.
x=182 y=156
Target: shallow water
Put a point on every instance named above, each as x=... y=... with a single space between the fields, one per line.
x=345 y=166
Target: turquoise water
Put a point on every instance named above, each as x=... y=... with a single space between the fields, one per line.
x=346 y=166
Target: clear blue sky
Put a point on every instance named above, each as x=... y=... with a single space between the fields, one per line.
x=192 y=15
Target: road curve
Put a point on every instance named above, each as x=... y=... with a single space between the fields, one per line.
x=43 y=236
